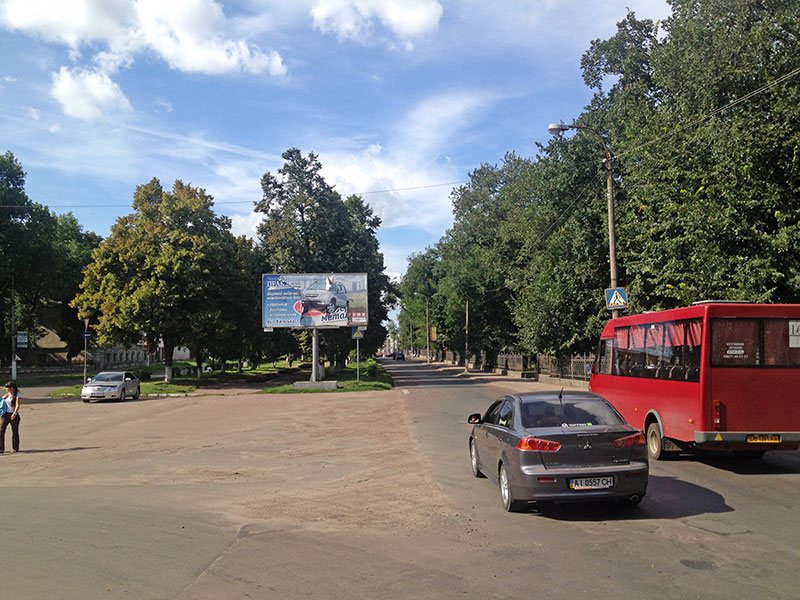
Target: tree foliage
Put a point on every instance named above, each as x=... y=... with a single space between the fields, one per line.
x=42 y=256
x=309 y=228
x=702 y=113
x=163 y=273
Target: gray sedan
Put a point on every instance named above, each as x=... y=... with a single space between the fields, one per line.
x=111 y=385
x=558 y=446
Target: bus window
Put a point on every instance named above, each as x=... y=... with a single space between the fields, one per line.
x=636 y=350
x=654 y=350
x=734 y=342
x=780 y=349
x=604 y=361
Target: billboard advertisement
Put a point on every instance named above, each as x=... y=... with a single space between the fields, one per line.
x=308 y=300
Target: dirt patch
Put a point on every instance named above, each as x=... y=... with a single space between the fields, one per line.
x=313 y=460
x=377 y=478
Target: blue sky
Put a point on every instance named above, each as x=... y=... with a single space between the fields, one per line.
x=401 y=99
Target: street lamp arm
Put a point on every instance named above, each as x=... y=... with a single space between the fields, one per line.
x=560 y=127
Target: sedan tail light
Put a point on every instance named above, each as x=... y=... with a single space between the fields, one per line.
x=533 y=444
x=629 y=441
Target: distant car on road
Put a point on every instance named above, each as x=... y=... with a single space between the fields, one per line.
x=558 y=446
x=399 y=356
x=111 y=385
x=324 y=295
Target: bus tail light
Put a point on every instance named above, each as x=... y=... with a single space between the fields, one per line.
x=717 y=408
x=629 y=441
x=534 y=444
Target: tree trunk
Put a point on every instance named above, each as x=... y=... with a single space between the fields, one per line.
x=199 y=361
x=169 y=350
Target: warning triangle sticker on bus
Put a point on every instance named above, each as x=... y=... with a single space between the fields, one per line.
x=616 y=298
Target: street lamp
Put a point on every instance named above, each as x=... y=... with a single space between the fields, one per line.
x=428 y=329
x=85 y=345
x=558 y=128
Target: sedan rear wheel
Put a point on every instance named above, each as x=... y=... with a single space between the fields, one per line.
x=137 y=393
x=510 y=503
x=473 y=457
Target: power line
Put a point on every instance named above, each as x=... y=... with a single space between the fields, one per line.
x=715 y=112
x=226 y=203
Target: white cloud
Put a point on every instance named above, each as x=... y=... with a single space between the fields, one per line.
x=355 y=19
x=164 y=105
x=87 y=95
x=436 y=119
x=72 y=23
x=189 y=35
x=246 y=224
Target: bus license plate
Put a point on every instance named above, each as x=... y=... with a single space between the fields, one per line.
x=763 y=438
x=591 y=483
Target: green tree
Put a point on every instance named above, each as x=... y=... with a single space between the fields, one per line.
x=161 y=273
x=308 y=228
x=709 y=163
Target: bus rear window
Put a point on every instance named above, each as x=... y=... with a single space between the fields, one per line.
x=755 y=343
x=781 y=343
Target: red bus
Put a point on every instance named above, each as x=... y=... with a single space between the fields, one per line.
x=715 y=375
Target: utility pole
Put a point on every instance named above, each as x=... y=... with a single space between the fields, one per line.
x=85 y=345
x=466 y=339
x=428 y=329
x=13 y=333
x=608 y=159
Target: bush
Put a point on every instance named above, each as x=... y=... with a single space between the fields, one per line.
x=371 y=368
x=144 y=375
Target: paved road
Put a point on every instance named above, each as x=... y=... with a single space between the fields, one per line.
x=359 y=496
x=710 y=527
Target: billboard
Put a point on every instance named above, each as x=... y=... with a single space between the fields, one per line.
x=311 y=300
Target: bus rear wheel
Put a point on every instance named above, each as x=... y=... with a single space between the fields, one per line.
x=655 y=447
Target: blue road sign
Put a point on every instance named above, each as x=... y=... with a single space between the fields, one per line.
x=616 y=298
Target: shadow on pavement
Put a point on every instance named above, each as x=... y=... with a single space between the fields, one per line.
x=420 y=374
x=667 y=498
x=49 y=450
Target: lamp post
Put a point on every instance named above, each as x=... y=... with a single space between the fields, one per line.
x=85 y=345
x=608 y=158
x=427 y=329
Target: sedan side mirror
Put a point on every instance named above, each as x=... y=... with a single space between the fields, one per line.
x=475 y=419
x=88 y=379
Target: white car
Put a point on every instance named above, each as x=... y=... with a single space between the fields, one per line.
x=324 y=295
x=111 y=385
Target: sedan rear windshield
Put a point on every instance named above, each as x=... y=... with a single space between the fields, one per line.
x=569 y=413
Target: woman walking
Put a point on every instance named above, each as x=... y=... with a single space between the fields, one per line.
x=10 y=414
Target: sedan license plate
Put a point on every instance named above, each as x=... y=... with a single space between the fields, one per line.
x=763 y=438
x=591 y=483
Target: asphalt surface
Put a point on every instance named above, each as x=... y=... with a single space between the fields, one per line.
x=360 y=496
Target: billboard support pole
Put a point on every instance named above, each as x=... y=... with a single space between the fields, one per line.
x=315 y=355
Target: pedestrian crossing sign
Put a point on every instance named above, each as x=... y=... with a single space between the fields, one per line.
x=616 y=298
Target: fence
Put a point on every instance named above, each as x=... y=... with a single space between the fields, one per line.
x=577 y=367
